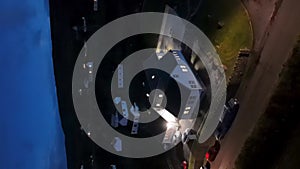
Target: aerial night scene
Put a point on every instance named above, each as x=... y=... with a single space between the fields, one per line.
x=150 y=84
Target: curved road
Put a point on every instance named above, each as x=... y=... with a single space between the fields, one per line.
x=255 y=91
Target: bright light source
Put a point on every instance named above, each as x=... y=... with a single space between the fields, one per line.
x=184 y=70
x=207 y=156
x=160 y=55
x=89 y=133
x=170 y=125
x=147 y=94
x=89 y=64
x=153 y=76
x=160 y=95
x=157 y=105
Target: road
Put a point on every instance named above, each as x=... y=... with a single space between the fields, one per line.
x=255 y=91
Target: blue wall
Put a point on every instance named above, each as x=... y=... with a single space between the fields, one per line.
x=31 y=136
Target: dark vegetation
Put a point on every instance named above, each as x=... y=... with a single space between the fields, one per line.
x=274 y=142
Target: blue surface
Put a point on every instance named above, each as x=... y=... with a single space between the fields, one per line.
x=31 y=136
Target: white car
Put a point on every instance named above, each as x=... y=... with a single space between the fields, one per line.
x=84 y=24
x=95 y=5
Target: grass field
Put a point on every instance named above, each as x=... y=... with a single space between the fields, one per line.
x=234 y=35
x=275 y=141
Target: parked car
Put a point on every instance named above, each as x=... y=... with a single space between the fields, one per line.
x=233 y=105
x=206 y=165
x=189 y=134
x=227 y=118
x=184 y=164
x=213 y=151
